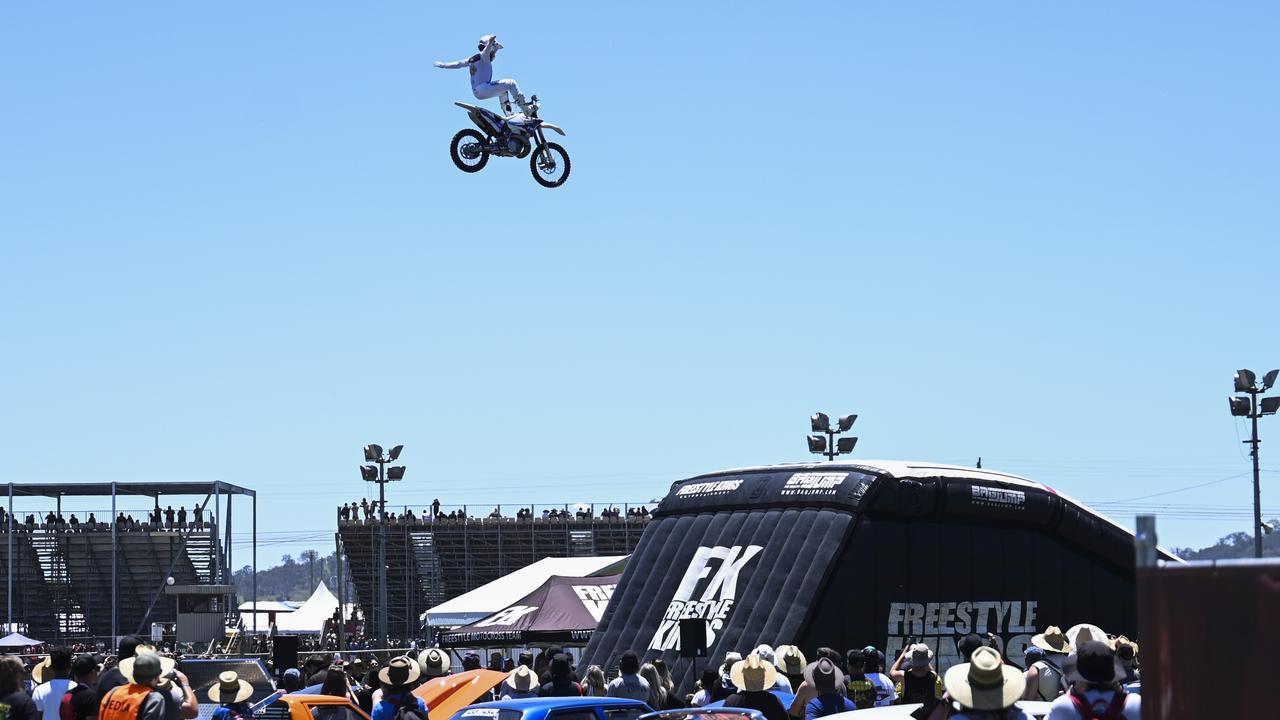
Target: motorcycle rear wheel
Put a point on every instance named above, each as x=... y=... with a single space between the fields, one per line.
x=548 y=173
x=468 y=165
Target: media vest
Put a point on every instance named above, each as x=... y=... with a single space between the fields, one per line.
x=123 y=702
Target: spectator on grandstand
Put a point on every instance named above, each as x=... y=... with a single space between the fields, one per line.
x=826 y=680
x=496 y=514
x=81 y=701
x=520 y=684
x=344 y=512
x=594 y=684
x=754 y=678
x=169 y=514
x=1096 y=675
x=397 y=680
x=985 y=688
x=182 y=517
x=629 y=684
x=913 y=672
x=1044 y=677
x=75 y=523
x=53 y=676
x=199 y=516
x=364 y=508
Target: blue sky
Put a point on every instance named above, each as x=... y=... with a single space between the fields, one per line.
x=233 y=247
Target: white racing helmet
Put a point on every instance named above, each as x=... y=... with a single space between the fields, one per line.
x=489 y=42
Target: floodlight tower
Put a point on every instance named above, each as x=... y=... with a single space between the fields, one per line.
x=1248 y=405
x=382 y=474
x=823 y=440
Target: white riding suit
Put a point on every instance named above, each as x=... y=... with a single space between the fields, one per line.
x=483 y=86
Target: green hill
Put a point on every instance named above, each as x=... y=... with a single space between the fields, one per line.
x=292 y=579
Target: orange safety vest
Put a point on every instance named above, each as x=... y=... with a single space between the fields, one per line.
x=123 y=702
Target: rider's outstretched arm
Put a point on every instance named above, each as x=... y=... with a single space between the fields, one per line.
x=459 y=64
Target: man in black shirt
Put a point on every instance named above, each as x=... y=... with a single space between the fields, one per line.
x=81 y=701
x=113 y=678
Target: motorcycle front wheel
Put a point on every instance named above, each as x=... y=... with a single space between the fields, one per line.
x=549 y=165
x=467 y=151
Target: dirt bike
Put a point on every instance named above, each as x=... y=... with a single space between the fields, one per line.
x=519 y=136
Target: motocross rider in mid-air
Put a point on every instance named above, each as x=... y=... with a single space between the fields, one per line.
x=483 y=85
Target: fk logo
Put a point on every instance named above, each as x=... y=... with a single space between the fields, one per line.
x=707 y=591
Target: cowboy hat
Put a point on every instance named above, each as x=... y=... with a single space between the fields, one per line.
x=753 y=674
x=1120 y=644
x=985 y=682
x=230 y=689
x=434 y=662
x=1093 y=662
x=39 y=669
x=823 y=676
x=1084 y=632
x=126 y=665
x=521 y=679
x=1052 y=640
x=400 y=671
x=789 y=660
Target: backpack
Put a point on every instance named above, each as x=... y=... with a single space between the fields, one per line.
x=1053 y=671
x=1113 y=711
x=409 y=709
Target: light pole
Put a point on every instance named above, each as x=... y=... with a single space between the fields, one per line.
x=382 y=474
x=1249 y=405
x=823 y=440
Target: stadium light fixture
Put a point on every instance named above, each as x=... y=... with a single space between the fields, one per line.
x=823 y=440
x=1248 y=404
x=381 y=474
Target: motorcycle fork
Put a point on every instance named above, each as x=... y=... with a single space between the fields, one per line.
x=542 y=147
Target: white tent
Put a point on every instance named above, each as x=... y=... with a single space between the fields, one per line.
x=311 y=617
x=492 y=597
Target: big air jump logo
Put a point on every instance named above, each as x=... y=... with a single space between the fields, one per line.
x=814 y=483
x=707 y=591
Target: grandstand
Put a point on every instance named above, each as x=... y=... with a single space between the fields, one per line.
x=65 y=581
x=434 y=560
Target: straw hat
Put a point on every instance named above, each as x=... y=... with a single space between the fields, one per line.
x=400 y=671
x=521 y=679
x=1124 y=646
x=39 y=669
x=824 y=676
x=753 y=674
x=985 y=682
x=1085 y=632
x=1052 y=640
x=434 y=662
x=126 y=665
x=230 y=689
x=789 y=660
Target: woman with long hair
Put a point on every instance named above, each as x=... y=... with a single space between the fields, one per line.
x=657 y=691
x=595 y=685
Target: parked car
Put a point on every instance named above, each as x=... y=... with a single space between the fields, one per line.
x=1035 y=708
x=308 y=707
x=716 y=713
x=556 y=708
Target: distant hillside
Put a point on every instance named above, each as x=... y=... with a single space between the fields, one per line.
x=1235 y=545
x=293 y=579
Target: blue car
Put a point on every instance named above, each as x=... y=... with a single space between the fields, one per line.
x=555 y=708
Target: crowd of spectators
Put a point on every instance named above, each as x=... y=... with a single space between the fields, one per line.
x=156 y=519
x=1082 y=673
x=365 y=512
